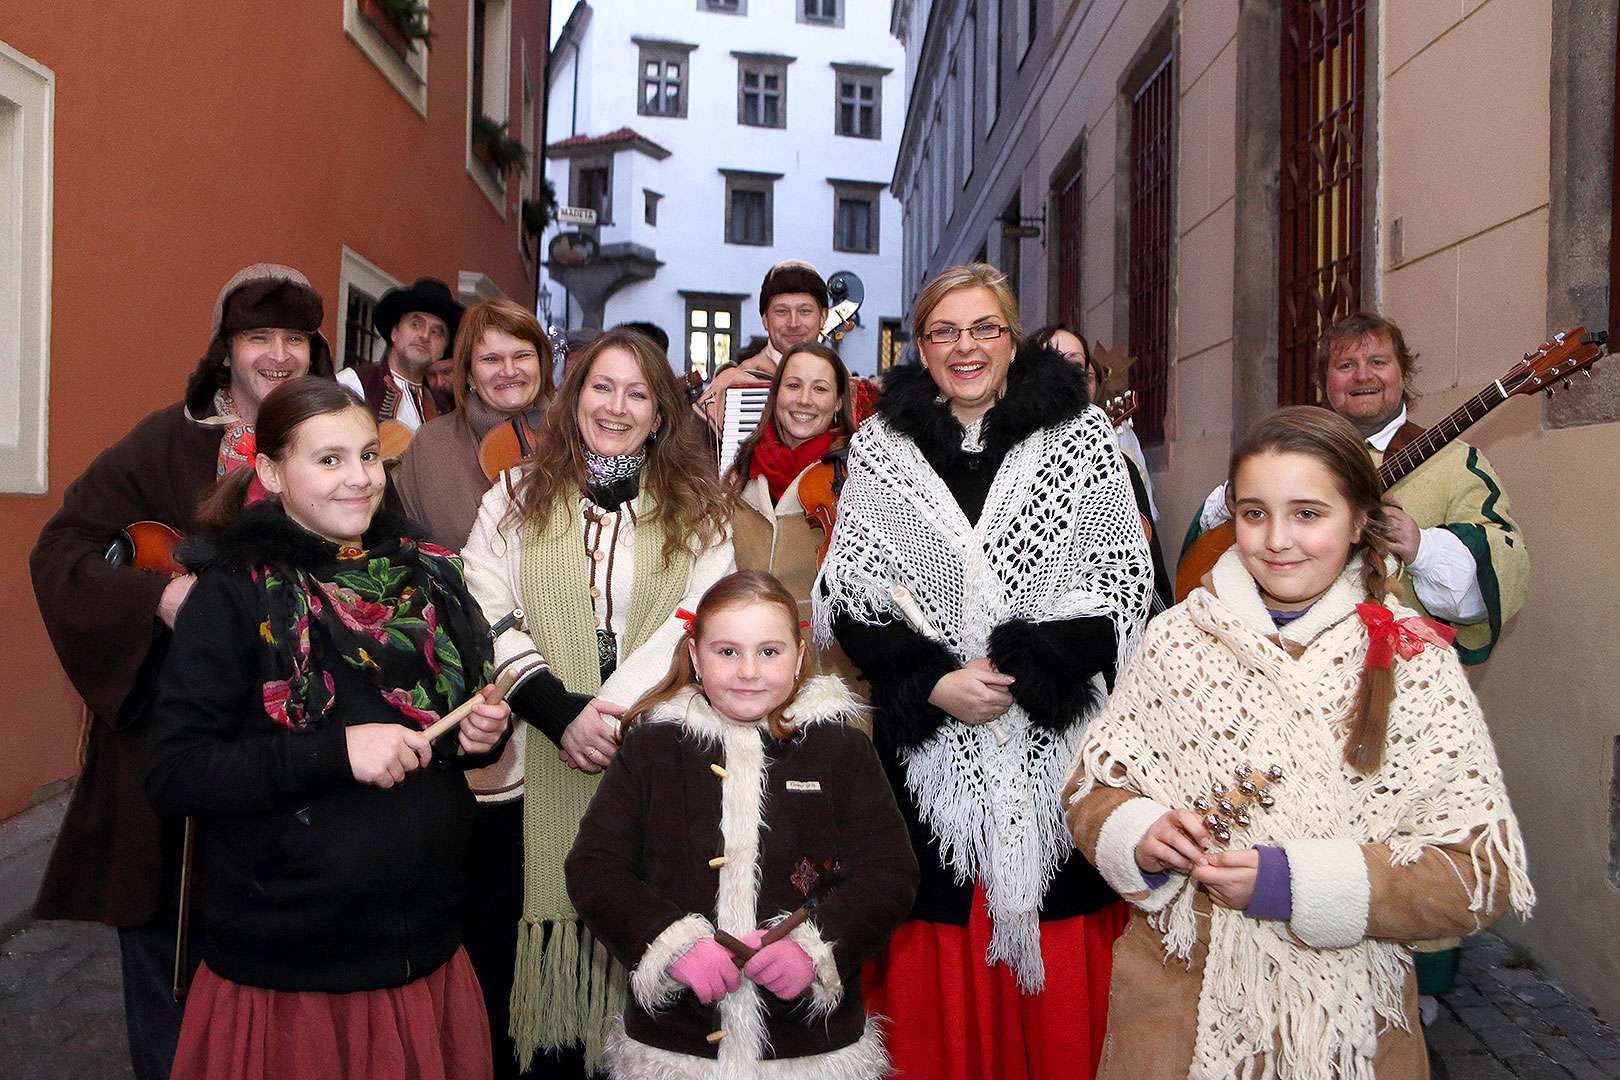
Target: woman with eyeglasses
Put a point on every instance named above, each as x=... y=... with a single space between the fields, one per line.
x=989 y=492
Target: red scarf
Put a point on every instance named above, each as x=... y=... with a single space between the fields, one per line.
x=780 y=464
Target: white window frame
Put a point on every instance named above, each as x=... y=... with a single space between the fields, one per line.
x=409 y=75
x=355 y=270
x=27 y=147
x=497 y=92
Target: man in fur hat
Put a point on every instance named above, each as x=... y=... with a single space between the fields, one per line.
x=115 y=861
x=419 y=324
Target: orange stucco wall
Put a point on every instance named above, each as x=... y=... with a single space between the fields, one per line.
x=191 y=141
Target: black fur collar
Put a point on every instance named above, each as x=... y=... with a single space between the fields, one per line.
x=1043 y=389
x=264 y=536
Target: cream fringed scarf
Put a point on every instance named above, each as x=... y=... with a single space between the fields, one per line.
x=566 y=989
x=1211 y=689
x=1059 y=537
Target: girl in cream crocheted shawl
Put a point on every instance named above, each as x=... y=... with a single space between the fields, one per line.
x=1389 y=824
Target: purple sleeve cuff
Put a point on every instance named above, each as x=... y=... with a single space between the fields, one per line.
x=1155 y=879
x=1273 y=893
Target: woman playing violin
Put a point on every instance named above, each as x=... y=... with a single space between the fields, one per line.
x=501 y=376
x=787 y=474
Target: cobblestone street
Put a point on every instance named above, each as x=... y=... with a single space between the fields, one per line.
x=61 y=1014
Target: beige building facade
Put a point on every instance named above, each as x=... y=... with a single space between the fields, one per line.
x=1212 y=181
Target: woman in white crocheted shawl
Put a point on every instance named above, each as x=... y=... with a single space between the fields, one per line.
x=1268 y=939
x=988 y=487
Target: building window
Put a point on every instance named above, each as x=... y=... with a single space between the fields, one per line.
x=1323 y=57
x=890 y=343
x=1069 y=212
x=652 y=199
x=360 y=283
x=712 y=320
x=27 y=149
x=663 y=78
x=821 y=12
x=403 y=61
x=590 y=185
x=855 y=216
x=724 y=7
x=361 y=342
x=762 y=90
x=749 y=206
x=860 y=101
x=1152 y=179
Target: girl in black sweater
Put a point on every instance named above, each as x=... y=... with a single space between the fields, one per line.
x=316 y=647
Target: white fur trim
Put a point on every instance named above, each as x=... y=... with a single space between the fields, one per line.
x=1116 y=855
x=1238 y=591
x=827 y=991
x=824 y=697
x=1331 y=892
x=863 y=1059
x=651 y=982
x=736 y=902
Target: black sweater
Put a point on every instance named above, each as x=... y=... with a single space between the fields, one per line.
x=309 y=880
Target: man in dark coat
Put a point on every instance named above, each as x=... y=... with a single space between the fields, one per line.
x=115 y=860
x=419 y=324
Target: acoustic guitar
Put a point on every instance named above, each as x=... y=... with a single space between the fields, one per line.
x=1554 y=362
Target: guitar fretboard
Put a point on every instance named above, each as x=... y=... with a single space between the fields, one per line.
x=1433 y=440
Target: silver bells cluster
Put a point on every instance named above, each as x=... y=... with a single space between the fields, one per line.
x=1224 y=808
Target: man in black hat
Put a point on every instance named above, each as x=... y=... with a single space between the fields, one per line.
x=419 y=323
x=115 y=860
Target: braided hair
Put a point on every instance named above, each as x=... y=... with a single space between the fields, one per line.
x=1330 y=439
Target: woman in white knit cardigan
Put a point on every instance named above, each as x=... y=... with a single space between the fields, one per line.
x=580 y=559
x=1277 y=951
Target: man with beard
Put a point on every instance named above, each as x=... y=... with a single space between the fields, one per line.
x=419 y=323
x=1463 y=557
x=115 y=860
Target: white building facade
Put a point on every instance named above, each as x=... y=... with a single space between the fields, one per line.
x=716 y=138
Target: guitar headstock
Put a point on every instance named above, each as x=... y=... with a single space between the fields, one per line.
x=1555 y=361
x=1121 y=407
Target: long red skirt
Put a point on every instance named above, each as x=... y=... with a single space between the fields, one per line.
x=951 y=1016
x=432 y=1029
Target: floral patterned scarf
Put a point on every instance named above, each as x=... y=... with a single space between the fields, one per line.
x=397 y=611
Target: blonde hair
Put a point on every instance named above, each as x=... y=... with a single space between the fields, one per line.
x=733 y=591
x=1329 y=438
x=967 y=276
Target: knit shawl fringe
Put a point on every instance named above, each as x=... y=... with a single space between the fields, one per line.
x=1059 y=538
x=565 y=986
x=566 y=990
x=1211 y=688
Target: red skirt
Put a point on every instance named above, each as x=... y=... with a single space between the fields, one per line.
x=951 y=1016
x=432 y=1029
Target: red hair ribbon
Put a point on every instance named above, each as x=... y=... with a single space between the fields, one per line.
x=687 y=618
x=1388 y=635
x=804 y=624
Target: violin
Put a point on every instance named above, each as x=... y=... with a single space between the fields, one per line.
x=504 y=445
x=146 y=545
x=818 y=494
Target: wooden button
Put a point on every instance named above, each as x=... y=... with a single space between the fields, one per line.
x=717 y=862
x=719 y=770
x=716 y=1036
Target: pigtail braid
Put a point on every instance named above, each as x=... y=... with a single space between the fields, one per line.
x=1364 y=746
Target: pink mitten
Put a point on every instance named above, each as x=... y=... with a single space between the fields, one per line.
x=708 y=969
x=782 y=968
